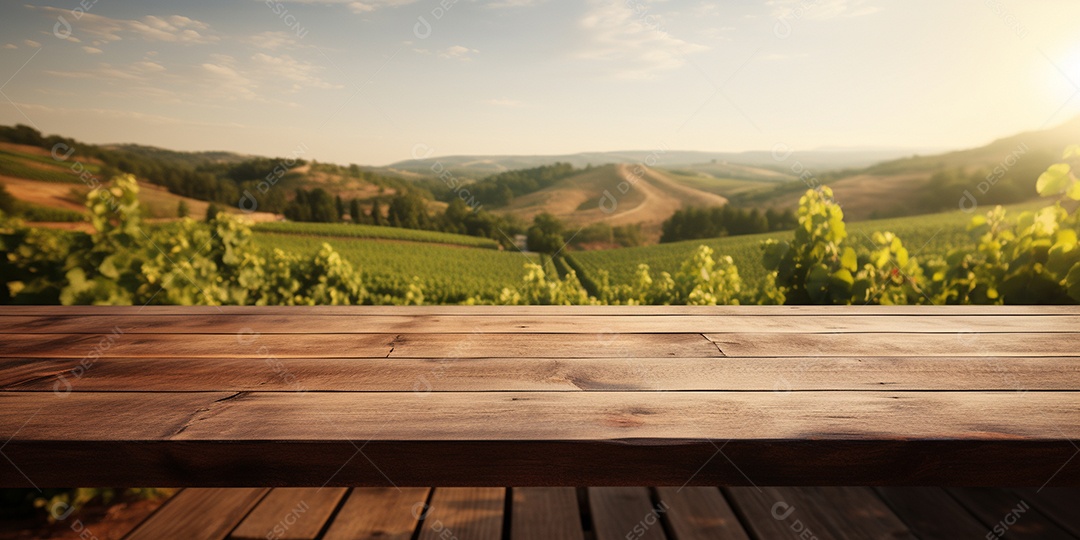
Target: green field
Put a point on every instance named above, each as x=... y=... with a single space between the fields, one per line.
x=449 y=274
x=350 y=230
x=924 y=236
x=17 y=166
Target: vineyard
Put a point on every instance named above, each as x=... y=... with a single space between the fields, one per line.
x=445 y=274
x=925 y=236
x=991 y=256
x=39 y=168
x=350 y=230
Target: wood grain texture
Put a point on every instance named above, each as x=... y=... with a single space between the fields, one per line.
x=474 y=513
x=208 y=514
x=539 y=396
x=1059 y=504
x=536 y=345
x=700 y=513
x=1011 y=513
x=545 y=513
x=838 y=437
x=931 y=513
x=817 y=512
x=543 y=374
x=290 y=514
x=619 y=513
x=913 y=344
x=379 y=514
x=357 y=345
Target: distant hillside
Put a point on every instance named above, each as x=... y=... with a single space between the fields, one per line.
x=191 y=159
x=1002 y=172
x=648 y=197
x=476 y=167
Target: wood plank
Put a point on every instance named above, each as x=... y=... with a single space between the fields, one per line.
x=538 y=345
x=359 y=346
x=102 y=416
x=210 y=346
x=379 y=513
x=858 y=512
x=621 y=513
x=1009 y=513
x=555 y=311
x=641 y=415
x=545 y=374
x=207 y=514
x=931 y=513
x=545 y=513
x=700 y=513
x=817 y=512
x=290 y=514
x=474 y=513
x=1059 y=504
x=878 y=344
x=542 y=438
x=531 y=324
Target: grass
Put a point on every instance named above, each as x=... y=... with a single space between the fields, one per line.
x=449 y=274
x=350 y=230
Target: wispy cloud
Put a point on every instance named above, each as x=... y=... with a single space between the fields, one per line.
x=633 y=46
x=272 y=41
x=171 y=28
x=458 y=52
x=372 y=5
x=514 y=3
x=821 y=9
x=358 y=6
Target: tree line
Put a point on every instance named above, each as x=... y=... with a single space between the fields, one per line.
x=697 y=223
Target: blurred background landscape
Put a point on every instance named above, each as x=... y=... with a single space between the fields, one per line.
x=530 y=152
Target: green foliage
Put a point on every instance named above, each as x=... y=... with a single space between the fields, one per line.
x=694 y=223
x=316 y=205
x=538 y=288
x=125 y=262
x=1034 y=258
x=602 y=233
x=816 y=267
x=500 y=189
x=212 y=212
x=546 y=234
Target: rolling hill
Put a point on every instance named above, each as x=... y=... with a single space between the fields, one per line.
x=615 y=194
x=31 y=175
x=476 y=167
x=617 y=189
x=1002 y=171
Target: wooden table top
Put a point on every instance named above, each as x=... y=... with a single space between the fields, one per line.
x=539 y=396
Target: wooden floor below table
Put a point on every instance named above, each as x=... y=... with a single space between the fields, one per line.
x=624 y=513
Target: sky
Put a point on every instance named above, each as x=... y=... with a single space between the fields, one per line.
x=378 y=81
